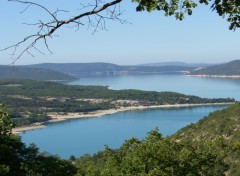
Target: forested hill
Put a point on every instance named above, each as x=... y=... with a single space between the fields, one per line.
x=17 y=72
x=224 y=122
x=100 y=68
x=230 y=68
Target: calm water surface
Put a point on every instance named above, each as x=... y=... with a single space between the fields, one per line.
x=200 y=86
x=80 y=136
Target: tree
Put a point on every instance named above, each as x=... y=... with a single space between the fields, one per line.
x=228 y=8
x=97 y=13
x=156 y=155
x=19 y=160
x=5 y=124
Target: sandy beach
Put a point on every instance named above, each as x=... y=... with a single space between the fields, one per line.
x=26 y=128
x=56 y=117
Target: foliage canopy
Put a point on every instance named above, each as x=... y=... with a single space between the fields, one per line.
x=225 y=8
x=16 y=159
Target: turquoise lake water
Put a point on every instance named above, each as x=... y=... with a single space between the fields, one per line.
x=80 y=136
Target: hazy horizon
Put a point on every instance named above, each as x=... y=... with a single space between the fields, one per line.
x=136 y=64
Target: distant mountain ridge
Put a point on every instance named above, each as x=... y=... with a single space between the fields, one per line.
x=20 y=72
x=229 y=69
x=69 y=70
x=101 y=68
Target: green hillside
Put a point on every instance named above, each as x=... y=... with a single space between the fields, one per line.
x=225 y=122
x=17 y=72
x=230 y=68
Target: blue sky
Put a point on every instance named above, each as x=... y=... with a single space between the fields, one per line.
x=151 y=37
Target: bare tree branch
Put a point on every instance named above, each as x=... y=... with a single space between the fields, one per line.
x=47 y=29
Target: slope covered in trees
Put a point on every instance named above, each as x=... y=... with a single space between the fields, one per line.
x=230 y=68
x=18 y=72
x=17 y=159
x=224 y=122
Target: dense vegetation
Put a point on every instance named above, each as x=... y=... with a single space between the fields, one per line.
x=100 y=68
x=29 y=101
x=224 y=123
x=17 y=159
x=230 y=68
x=211 y=147
x=20 y=72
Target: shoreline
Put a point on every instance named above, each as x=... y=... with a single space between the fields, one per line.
x=216 y=76
x=55 y=117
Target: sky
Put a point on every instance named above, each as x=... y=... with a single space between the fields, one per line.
x=203 y=37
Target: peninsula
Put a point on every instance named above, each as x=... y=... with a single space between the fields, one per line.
x=31 y=103
x=56 y=116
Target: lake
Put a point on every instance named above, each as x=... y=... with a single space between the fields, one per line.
x=89 y=135
x=200 y=86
